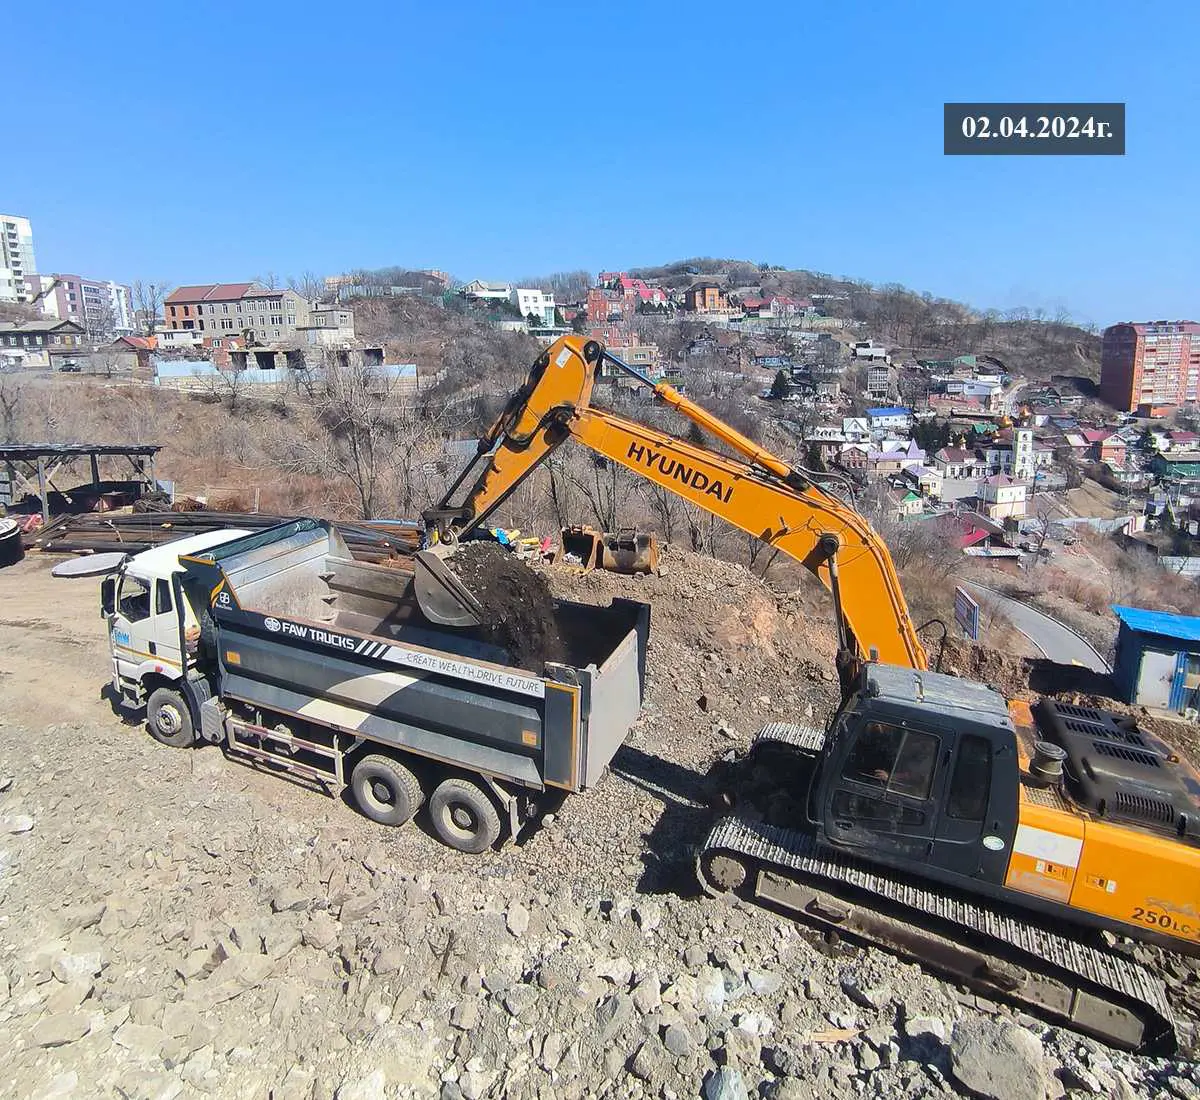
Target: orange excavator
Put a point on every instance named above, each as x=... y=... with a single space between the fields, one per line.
x=994 y=842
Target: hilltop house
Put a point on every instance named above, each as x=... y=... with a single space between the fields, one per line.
x=957 y=463
x=706 y=298
x=890 y=418
x=1000 y=497
x=856 y=429
x=631 y=292
x=853 y=456
x=485 y=291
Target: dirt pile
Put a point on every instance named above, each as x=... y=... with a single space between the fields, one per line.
x=517 y=604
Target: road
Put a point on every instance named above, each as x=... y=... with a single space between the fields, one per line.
x=1059 y=643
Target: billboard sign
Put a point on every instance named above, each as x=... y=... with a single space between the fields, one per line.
x=966 y=613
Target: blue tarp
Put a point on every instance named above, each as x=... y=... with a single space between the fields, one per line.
x=890 y=410
x=1184 y=628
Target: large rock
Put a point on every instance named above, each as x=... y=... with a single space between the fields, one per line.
x=517 y=919
x=725 y=1084
x=61 y=1028
x=997 y=1060
x=371 y=1086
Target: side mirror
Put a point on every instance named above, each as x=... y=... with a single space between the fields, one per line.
x=108 y=596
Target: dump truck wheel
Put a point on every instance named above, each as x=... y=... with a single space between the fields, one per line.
x=385 y=790
x=463 y=816
x=169 y=720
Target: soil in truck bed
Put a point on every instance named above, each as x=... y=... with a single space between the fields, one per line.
x=519 y=612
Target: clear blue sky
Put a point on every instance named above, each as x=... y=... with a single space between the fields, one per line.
x=217 y=141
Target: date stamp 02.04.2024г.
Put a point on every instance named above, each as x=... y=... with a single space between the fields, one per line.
x=1031 y=129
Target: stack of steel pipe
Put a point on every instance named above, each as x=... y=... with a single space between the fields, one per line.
x=94 y=532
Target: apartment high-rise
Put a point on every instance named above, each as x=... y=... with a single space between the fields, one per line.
x=1150 y=364
x=102 y=307
x=17 y=263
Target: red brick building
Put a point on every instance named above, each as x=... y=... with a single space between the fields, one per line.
x=1150 y=365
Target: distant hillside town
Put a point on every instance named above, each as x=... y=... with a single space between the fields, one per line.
x=976 y=423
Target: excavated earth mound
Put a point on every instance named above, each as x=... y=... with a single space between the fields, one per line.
x=517 y=604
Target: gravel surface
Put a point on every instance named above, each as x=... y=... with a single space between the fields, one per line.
x=176 y=924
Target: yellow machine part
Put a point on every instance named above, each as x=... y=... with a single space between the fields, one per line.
x=1118 y=872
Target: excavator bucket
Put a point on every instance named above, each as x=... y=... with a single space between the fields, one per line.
x=441 y=596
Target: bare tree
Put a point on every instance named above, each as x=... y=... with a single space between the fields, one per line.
x=11 y=387
x=270 y=280
x=147 y=301
x=387 y=447
x=230 y=387
x=310 y=286
x=104 y=360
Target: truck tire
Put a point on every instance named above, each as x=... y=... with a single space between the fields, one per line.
x=169 y=720
x=385 y=790
x=463 y=816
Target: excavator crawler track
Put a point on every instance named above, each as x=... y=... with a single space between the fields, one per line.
x=987 y=949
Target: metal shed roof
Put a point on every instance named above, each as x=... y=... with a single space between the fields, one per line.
x=1184 y=628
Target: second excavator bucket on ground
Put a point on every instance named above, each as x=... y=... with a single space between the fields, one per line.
x=441 y=596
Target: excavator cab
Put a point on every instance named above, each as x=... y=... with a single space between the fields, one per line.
x=920 y=769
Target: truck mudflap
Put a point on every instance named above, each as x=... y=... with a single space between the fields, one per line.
x=986 y=948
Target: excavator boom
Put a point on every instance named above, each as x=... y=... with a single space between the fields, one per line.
x=754 y=491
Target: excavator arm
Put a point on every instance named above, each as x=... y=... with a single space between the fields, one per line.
x=754 y=491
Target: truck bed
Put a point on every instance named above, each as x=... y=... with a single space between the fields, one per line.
x=301 y=629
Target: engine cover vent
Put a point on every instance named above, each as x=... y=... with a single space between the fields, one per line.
x=1120 y=772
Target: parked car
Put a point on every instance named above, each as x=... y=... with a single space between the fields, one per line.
x=70 y=367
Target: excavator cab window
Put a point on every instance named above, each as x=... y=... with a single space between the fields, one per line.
x=971 y=783
x=897 y=760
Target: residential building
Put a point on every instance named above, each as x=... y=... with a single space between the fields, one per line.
x=1111 y=449
x=868 y=349
x=776 y=305
x=104 y=308
x=958 y=464
x=890 y=418
x=643 y=357
x=169 y=338
x=534 y=306
x=1150 y=365
x=706 y=298
x=28 y=343
x=327 y=326
x=1168 y=442
x=604 y=306
x=856 y=429
x=854 y=456
x=250 y=310
x=485 y=291
x=1000 y=497
x=894 y=457
x=879 y=381
x=633 y=293
x=17 y=263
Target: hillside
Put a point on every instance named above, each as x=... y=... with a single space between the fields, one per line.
x=1030 y=343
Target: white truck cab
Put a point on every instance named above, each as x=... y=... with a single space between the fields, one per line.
x=149 y=621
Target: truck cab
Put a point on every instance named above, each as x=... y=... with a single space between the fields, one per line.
x=150 y=622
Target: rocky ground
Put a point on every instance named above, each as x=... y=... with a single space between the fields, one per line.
x=175 y=924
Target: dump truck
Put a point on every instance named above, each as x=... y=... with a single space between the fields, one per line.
x=284 y=649
x=990 y=840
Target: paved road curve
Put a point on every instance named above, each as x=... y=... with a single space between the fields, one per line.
x=1056 y=641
